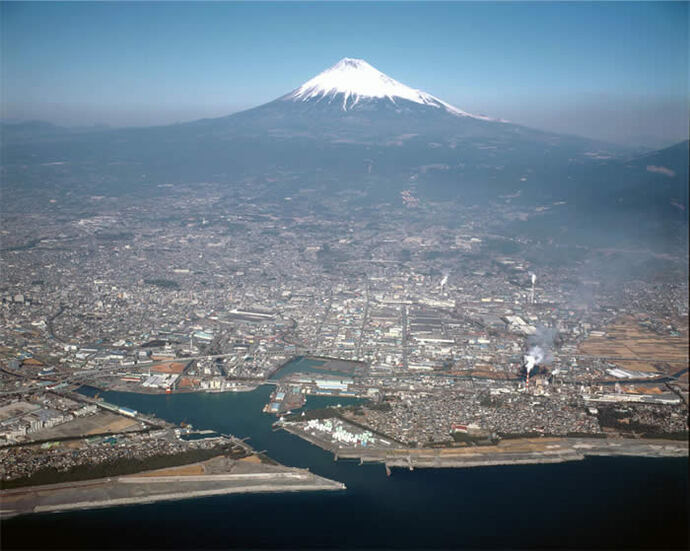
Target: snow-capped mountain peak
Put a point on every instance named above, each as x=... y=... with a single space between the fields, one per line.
x=351 y=80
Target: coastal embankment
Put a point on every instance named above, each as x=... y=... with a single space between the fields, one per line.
x=216 y=476
x=506 y=452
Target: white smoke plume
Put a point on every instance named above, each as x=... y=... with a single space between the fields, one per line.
x=541 y=343
x=534 y=356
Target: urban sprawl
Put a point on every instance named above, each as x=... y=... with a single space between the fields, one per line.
x=450 y=332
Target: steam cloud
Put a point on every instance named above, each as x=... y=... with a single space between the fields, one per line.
x=534 y=357
x=540 y=345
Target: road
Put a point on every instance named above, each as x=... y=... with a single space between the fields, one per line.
x=404 y=335
x=358 y=349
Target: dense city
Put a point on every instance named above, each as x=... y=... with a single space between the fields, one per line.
x=444 y=328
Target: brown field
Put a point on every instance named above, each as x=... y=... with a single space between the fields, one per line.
x=101 y=423
x=638 y=389
x=187 y=382
x=639 y=348
x=251 y=459
x=484 y=371
x=169 y=367
x=116 y=425
x=522 y=445
x=183 y=470
x=488 y=374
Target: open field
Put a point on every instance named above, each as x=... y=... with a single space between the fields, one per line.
x=121 y=424
x=639 y=348
x=251 y=459
x=103 y=422
x=489 y=373
x=183 y=470
x=482 y=371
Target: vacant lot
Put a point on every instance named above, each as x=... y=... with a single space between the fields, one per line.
x=184 y=470
x=101 y=423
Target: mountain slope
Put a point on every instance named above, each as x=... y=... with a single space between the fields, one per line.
x=353 y=80
x=350 y=126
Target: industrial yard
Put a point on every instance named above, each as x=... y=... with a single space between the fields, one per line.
x=356 y=445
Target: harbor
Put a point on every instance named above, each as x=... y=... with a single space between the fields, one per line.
x=448 y=505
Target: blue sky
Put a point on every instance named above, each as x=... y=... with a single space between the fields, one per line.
x=617 y=71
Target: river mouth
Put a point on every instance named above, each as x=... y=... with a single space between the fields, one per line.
x=239 y=414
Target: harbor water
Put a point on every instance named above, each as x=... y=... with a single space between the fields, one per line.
x=601 y=502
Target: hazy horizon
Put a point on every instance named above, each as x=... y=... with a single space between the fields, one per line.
x=614 y=72
x=567 y=121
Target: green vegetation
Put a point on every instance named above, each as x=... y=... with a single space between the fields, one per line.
x=25 y=247
x=501 y=246
x=586 y=435
x=164 y=283
x=234 y=227
x=487 y=401
x=383 y=406
x=517 y=435
x=482 y=439
x=534 y=434
x=622 y=421
x=121 y=467
x=120 y=236
x=680 y=435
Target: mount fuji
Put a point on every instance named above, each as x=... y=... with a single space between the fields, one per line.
x=354 y=84
x=351 y=127
x=354 y=105
x=355 y=102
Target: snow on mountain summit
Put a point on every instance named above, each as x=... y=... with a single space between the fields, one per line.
x=351 y=80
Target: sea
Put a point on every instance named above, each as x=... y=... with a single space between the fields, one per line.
x=602 y=502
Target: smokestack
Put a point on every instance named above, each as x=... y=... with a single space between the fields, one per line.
x=444 y=281
x=539 y=351
x=534 y=357
x=531 y=294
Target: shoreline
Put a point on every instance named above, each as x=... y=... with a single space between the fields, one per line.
x=216 y=476
x=161 y=392
x=524 y=451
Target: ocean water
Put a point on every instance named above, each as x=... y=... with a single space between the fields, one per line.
x=597 y=503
